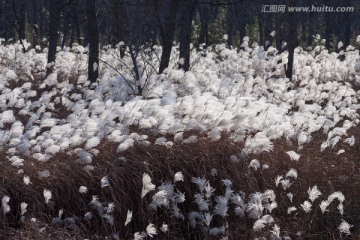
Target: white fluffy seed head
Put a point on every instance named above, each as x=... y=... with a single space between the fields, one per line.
x=306 y=206
x=345 y=227
x=151 y=230
x=47 y=195
x=104 y=182
x=164 y=228
x=178 y=177
x=147 y=185
x=314 y=193
x=4 y=203
x=291 y=209
x=83 y=189
x=23 y=207
x=128 y=217
x=26 y=180
x=293 y=155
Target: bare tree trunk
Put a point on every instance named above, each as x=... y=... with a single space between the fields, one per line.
x=167 y=28
x=278 y=32
x=9 y=27
x=19 y=13
x=204 y=21
x=347 y=35
x=311 y=29
x=240 y=18
x=78 y=31
x=328 y=30
x=118 y=20
x=261 y=28
x=187 y=12
x=93 y=69
x=267 y=31
x=347 y=28
x=35 y=27
x=292 y=40
x=304 y=29
x=72 y=37
x=22 y=19
x=242 y=29
x=42 y=20
x=53 y=33
x=65 y=31
x=230 y=25
x=1 y=18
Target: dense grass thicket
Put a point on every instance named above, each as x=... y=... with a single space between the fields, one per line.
x=229 y=150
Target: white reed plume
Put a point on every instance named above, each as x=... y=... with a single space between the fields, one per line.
x=82 y=189
x=26 y=180
x=292 y=173
x=47 y=195
x=323 y=205
x=178 y=177
x=147 y=185
x=23 y=207
x=306 y=206
x=314 y=193
x=164 y=228
x=344 y=227
x=128 y=217
x=151 y=230
x=260 y=223
x=4 y=203
x=293 y=155
x=104 y=182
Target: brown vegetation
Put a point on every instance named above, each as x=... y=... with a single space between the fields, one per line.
x=329 y=171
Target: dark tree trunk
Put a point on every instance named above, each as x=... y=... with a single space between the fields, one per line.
x=279 y=28
x=304 y=27
x=41 y=24
x=311 y=29
x=22 y=19
x=230 y=17
x=93 y=69
x=35 y=27
x=118 y=20
x=347 y=35
x=53 y=33
x=329 y=25
x=65 y=31
x=204 y=13
x=292 y=40
x=242 y=30
x=261 y=27
x=167 y=26
x=19 y=13
x=79 y=39
x=278 y=32
x=72 y=37
x=347 y=29
x=187 y=12
x=328 y=30
x=241 y=19
x=9 y=26
x=309 y=25
x=2 y=33
x=267 y=31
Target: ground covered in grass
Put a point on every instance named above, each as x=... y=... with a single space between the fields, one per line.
x=229 y=150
